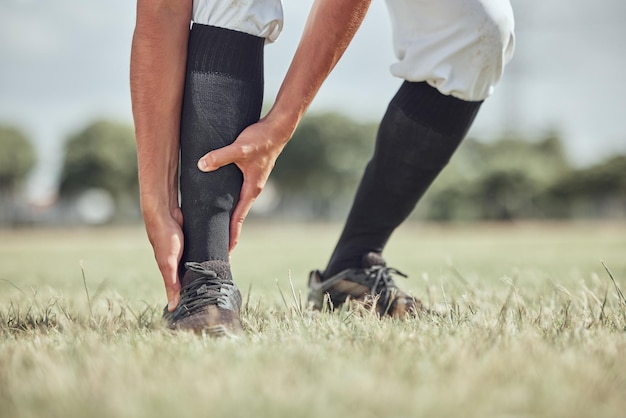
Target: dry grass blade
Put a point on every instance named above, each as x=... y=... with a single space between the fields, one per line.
x=620 y=295
x=82 y=270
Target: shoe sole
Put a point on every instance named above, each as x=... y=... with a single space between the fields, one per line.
x=220 y=331
x=214 y=331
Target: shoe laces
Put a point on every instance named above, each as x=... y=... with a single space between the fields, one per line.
x=207 y=289
x=383 y=285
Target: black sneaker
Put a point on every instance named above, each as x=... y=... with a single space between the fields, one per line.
x=368 y=285
x=210 y=301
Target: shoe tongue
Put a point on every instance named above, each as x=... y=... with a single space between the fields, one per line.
x=221 y=268
x=373 y=259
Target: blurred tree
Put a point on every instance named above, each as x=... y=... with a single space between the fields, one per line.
x=505 y=195
x=324 y=160
x=500 y=180
x=102 y=156
x=449 y=202
x=596 y=191
x=17 y=159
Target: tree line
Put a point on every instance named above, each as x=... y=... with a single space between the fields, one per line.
x=319 y=169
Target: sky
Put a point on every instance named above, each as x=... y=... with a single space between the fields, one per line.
x=64 y=63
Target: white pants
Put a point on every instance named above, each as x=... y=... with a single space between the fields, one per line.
x=262 y=18
x=459 y=47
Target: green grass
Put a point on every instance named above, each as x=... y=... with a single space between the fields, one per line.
x=527 y=322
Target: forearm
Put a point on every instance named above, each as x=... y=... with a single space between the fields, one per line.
x=328 y=32
x=157 y=73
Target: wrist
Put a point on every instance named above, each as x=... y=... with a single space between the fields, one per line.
x=155 y=207
x=282 y=123
x=158 y=189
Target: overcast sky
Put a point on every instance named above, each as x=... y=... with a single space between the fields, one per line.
x=64 y=63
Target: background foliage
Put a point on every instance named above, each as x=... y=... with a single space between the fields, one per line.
x=318 y=172
x=103 y=155
x=17 y=158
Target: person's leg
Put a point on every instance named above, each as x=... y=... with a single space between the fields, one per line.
x=452 y=52
x=223 y=95
x=420 y=131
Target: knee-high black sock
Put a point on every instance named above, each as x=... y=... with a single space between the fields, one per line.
x=223 y=95
x=417 y=136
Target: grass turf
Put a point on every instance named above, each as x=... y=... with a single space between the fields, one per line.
x=527 y=322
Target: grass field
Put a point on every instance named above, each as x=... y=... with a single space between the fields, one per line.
x=527 y=322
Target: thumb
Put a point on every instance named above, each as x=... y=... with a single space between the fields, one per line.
x=218 y=158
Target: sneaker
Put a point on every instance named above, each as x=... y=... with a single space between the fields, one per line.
x=210 y=301
x=368 y=285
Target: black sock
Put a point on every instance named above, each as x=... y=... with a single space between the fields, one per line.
x=417 y=136
x=223 y=95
